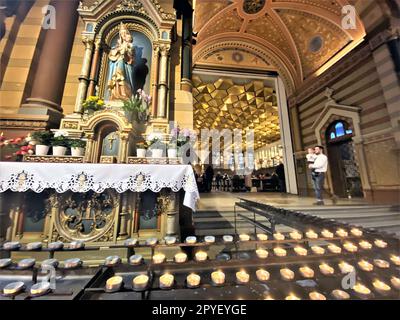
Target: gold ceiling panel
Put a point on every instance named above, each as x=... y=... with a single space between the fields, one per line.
x=224 y=104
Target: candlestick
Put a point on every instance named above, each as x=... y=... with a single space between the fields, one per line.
x=296 y=235
x=350 y=247
x=381 y=286
x=135 y=259
x=158 y=258
x=300 y=251
x=361 y=289
x=4 y=263
x=334 y=248
x=279 y=236
x=311 y=234
x=287 y=274
x=151 y=241
x=244 y=237
x=356 y=232
x=180 y=257
x=193 y=280
x=262 y=275
x=114 y=283
x=395 y=259
x=166 y=281
x=72 y=263
x=13 y=288
x=209 y=239
x=227 y=238
x=201 y=256
x=365 y=245
x=345 y=267
x=340 y=294
x=191 y=240
x=169 y=240
x=395 y=281
x=306 y=272
x=318 y=250
x=218 y=277
x=242 y=277
x=292 y=297
x=280 y=252
x=140 y=282
x=326 y=233
x=381 y=263
x=262 y=253
x=316 y=296
x=342 y=233
x=262 y=236
x=365 y=265
x=326 y=269
x=380 y=243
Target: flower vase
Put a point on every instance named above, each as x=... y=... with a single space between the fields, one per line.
x=59 y=151
x=77 y=152
x=157 y=153
x=172 y=153
x=141 y=153
x=41 y=150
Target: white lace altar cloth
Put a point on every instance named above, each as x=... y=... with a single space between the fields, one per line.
x=24 y=176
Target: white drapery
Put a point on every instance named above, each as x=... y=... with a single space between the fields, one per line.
x=24 y=176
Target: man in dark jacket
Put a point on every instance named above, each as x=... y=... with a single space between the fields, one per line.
x=209 y=178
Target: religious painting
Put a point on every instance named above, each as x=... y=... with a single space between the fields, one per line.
x=128 y=67
x=110 y=145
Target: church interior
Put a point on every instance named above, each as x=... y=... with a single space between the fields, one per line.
x=150 y=147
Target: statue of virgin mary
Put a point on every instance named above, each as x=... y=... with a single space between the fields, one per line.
x=121 y=66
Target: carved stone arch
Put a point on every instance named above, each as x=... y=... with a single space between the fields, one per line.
x=107 y=115
x=264 y=53
x=142 y=22
x=332 y=112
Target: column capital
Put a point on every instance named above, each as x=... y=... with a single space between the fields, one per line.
x=88 y=41
x=164 y=49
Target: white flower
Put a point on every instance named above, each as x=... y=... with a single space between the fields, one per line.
x=154 y=136
x=28 y=138
x=60 y=133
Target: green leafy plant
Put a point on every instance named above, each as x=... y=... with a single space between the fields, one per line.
x=60 y=139
x=132 y=104
x=141 y=145
x=93 y=103
x=42 y=137
x=77 y=143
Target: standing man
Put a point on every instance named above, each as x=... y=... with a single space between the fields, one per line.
x=320 y=166
x=209 y=178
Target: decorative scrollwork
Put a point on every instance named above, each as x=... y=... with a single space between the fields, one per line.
x=253 y=6
x=86 y=216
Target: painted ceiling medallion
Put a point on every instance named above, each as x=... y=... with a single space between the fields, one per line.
x=253 y=6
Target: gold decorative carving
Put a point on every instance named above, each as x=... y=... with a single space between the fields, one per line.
x=73 y=125
x=108 y=159
x=136 y=160
x=53 y=159
x=86 y=216
x=5 y=124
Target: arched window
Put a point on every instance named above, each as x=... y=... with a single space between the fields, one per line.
x=339 y=130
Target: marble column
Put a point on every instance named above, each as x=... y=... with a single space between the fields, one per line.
x=173 y=215
x=84 y=77
x=52 y=64
x=155 y=86
x=186 y=76
x=163 y=81
x=95 y=67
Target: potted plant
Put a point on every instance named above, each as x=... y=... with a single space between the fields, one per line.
x=172 y=150
x=138 y=105
x=92 y=104
x=181 y=137
x=141 y=148
x=60 y=143
x=42 y=139
x=154 y=140
x=77 y=147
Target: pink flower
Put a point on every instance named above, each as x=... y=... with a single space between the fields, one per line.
x=8 y=157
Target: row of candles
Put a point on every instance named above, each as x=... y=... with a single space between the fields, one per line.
x=294 y=235
x=193 y=280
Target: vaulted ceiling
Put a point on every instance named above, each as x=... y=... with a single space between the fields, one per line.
x=297 y=38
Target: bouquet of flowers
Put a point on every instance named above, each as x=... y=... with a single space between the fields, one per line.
x=60 y=139
x=179 y=137
x=14 y=149
x=154 y=140
x=139 y=103
x=93 y=103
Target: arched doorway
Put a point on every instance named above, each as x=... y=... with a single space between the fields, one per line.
x=346 y=181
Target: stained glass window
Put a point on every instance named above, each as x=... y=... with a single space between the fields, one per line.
x=339 y=129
